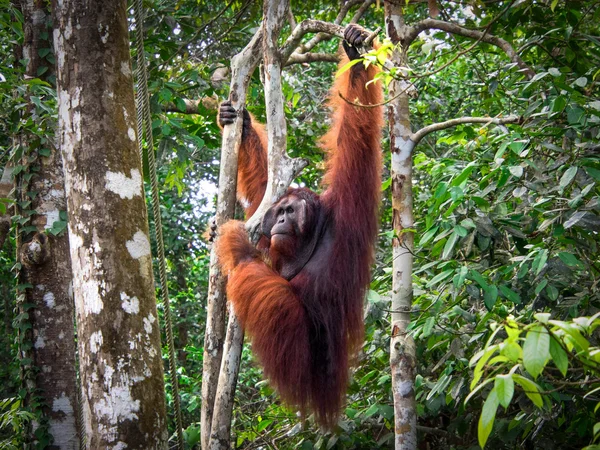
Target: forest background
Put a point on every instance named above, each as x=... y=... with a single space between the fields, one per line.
x=506 y=219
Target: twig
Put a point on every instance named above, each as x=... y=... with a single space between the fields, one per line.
x=420 y=134
x=449 y=27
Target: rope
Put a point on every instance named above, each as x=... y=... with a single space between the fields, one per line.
x=144 y=122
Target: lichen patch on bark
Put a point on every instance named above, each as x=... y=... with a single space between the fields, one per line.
x=49 y=300
x=131 y=305
x=124 y=186
x=96 y=341
x=139 y=246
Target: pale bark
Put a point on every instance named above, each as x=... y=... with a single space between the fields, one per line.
x=228 y=375
x=49 y=273
x=46 y=268
x=242 y=68
x=306 y=58
x=417 y=136
x=119 y=340
x=305 y=27
x=402 y=345
x=323 y=35
x=282 y=168
x=403 y=142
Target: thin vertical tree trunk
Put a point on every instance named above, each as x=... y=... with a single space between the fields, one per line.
x=242 y=68
x=118 y=335
x=6 y=188
x=46 y=266
x=282 y=171
x=402 y=346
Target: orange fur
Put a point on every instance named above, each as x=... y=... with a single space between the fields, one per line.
x=252 y=167
x=305 y=330
x=275 y=319
x=233 y=246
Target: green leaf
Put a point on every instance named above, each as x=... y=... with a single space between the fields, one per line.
x=539 y=261
x=468 y=223
x=553 y=5
x=478 y=278
x=457 y=181
x=351 y=413
x=573 y=335
x=490 y=295
x=347 y=66
x=558 y=104
x=552 y=292
x=531 y=389
x=570 y=260
x=440 y=277
x=536 y=350
x=386 y=411
x=428 y=326
x=505 y=389
x=512 y=351
x=166 y=94
x=450 y=243
x=510 y=294
x=575 y=114
x=386 y=184
x=484 y=357
x=488 y=415
x=461 y=231
x=516 y=171
x=371 y=411
x=542 y=317
x=263 y=424
x=559 y=356
x=594 y=173
x=568 y=176
x=553 y=70
x=180 y=103
x=459 y=278
x=429 y=234
x=540 y=287
x=331 y=442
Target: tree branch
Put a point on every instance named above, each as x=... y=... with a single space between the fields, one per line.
x=299 y=58
x=193 y=106
x=308 y=46
x=281 y=169
x=449 y=27
x=417 y=136
x=216 y=409
x=361 y=11
x=308 y=26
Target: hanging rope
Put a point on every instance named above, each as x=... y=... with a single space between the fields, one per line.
x=144 y=123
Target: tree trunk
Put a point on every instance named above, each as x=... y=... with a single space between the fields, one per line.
x=46 y=268
x=6 y=188
x=402 y=346
x=118 y=335
x=242 y=68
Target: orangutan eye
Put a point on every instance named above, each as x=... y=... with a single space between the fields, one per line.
x=289 y=210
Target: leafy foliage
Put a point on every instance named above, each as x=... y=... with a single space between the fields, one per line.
x=507 y=219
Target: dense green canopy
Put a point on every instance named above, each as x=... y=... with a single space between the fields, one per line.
x=507 y=218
